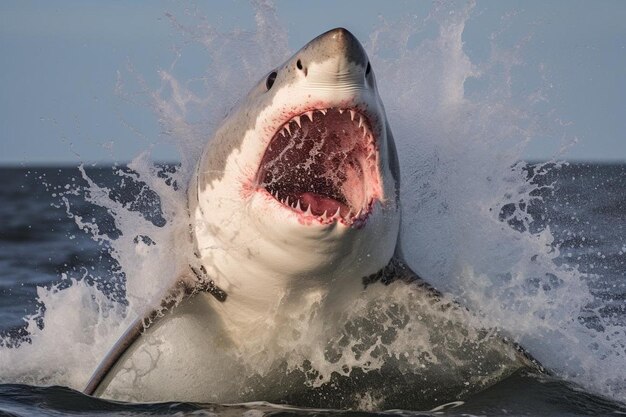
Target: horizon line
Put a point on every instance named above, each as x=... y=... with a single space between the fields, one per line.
x=107 y=164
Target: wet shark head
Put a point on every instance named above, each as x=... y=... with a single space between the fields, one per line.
x=300 y=183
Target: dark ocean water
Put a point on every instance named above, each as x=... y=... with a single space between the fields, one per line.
x=519 y=395
x=40 y=243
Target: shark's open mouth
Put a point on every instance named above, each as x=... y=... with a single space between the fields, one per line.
x=323 y=164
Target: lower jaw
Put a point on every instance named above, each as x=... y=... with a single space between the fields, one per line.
x=336 y=214
x=285 y=246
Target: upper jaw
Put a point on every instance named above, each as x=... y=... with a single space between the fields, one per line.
x=322 y=164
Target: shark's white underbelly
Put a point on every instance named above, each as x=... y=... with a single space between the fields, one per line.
x=188 y=355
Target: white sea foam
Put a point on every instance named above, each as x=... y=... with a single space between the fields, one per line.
x=459 y=156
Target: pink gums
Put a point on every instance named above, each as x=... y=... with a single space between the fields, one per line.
x=323 y=163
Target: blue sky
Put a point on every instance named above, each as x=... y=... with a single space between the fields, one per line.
x=60 y=62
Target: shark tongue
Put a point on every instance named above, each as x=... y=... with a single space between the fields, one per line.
x=320 y=204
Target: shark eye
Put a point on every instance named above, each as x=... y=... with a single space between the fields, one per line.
x=270 y=79
x=301 y=67
x=368 y=69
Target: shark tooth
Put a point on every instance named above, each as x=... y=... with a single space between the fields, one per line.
x=360 y=121
x=287 y=128
x=309 y=114
x=352 y=113
x=341 y=111
x=298 y=207
x=297 y=120
x=308 y=211
x=337 y=214
x=323 y=111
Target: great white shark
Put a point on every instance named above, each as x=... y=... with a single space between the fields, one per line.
x=294 y=203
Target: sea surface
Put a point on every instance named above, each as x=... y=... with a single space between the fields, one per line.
x=42 y=246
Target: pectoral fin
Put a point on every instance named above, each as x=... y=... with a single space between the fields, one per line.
x=398 y=270
x=184 y=289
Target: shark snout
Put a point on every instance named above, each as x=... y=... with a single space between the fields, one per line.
x=335 y=59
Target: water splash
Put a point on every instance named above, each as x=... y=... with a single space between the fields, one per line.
x=467 y=200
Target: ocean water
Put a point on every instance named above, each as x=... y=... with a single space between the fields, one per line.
x=536 y=252
x=44 y=251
